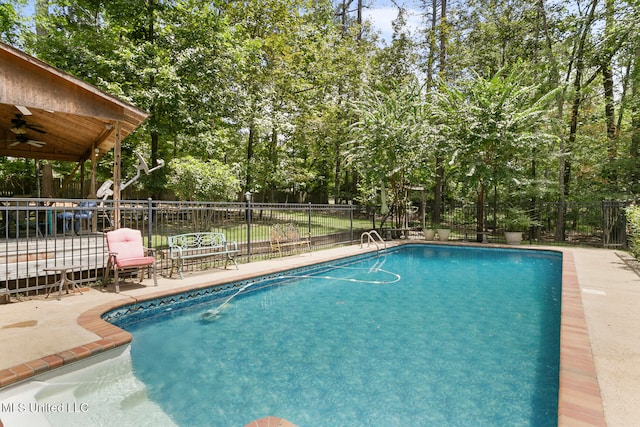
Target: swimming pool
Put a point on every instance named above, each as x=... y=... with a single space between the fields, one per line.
x=101 y=392
x=425 y=335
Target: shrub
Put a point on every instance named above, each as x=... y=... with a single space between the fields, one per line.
x=633 y=221
x=518 y=220
x=203 y=180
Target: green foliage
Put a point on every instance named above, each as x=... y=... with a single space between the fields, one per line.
x=391 y=144
x=518 y=220
x=17 y=174
x=164 y=57
x=11 y=23
x=202 y=180
x=392 y=137
x=308 y=103
x=494 y=126
x=633 y=220
x=498 y=34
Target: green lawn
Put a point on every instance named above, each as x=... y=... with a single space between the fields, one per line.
x=320 y=225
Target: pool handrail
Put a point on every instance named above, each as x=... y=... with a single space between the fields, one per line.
x=371 y=235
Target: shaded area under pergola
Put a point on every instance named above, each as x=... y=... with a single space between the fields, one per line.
x=48 y=114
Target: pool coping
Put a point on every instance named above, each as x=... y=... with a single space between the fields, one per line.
x=579 y=397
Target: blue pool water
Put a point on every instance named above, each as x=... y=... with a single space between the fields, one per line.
x=465 y=337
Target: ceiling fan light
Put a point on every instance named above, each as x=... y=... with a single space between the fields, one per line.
x=18 y=130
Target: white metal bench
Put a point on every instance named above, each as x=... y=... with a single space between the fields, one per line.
x=200 y=245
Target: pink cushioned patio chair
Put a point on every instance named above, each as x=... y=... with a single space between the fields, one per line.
x=127 y=252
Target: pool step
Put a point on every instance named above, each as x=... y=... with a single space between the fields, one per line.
x=123 y=401
x=104 y=394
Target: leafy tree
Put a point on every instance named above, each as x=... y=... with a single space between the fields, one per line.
x=633 y=221
x=391 y=141
x=203 y=180
x=495 y=125
x=161 y=56
x=276 y=90
x=397 y=63
x=634 y=145
x=11 y=25
x=497 y=35
x=17 y=174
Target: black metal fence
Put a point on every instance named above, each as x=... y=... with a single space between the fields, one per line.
x=37 y=234
x=598 y=224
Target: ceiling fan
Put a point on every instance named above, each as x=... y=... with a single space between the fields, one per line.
x=24 y=139
x=20 y=126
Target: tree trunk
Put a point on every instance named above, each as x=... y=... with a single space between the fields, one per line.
x=565 y=164
x=47 y=180
x=634 y=148
x=439 y=186
x=273 y=157
x=337 y=173
x=155 y=142
x=609 y=109
x=555 y=79
x=155 y=136
x=250 y=143
x=42 y=10
x=359 y=20
x=436 y=215
x=577 y=93
x=431 y=56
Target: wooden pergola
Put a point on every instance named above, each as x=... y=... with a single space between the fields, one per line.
x=48 y=114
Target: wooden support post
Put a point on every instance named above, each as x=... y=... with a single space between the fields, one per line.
x=117 y=167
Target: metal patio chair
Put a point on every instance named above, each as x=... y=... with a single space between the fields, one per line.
x=126 y=252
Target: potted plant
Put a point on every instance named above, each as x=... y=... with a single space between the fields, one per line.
x=515 y=223
x=443 y=232
x=429 y=232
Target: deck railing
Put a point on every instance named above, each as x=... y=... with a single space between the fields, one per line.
x=36 y=234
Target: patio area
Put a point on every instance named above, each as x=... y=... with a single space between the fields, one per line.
x=40 y=329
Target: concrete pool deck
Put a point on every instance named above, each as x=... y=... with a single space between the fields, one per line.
x=39 y=334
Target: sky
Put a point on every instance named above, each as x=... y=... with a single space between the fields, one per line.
x=381 y=13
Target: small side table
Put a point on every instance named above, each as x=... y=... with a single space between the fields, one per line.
x=64 y=279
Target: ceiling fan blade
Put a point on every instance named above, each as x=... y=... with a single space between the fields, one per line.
x=20 y=127
x=24 y=110
x=17 y=121
x=23 y=139
x=36 y=128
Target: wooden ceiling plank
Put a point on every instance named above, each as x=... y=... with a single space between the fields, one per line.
x=108 y=131
x=22 y=153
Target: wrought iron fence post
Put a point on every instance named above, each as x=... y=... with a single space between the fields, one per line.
x=149 y=222
x=247 y=197
x=309 y=222
x=351 y=222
